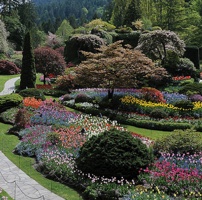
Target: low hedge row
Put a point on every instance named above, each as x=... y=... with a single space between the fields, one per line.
x=148 y=124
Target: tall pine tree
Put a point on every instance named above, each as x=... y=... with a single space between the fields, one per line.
x=28 y=72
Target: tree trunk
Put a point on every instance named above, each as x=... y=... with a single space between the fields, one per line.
x=110 y=93
x=44 y=79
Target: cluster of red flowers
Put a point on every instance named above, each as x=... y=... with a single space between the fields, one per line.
x=180 y=78
x=42 y=86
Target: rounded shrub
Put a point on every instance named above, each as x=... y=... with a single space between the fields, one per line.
x=8 y=68
x=82 y=98
x=158 y=113
x=32 y=92
x=9 y=101
x=180 y=141
x=185 y=104
x=114 y=153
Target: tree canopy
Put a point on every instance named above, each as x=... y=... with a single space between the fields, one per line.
x=115 y=66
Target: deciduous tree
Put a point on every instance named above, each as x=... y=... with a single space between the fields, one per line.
x=49 y=61
x=115 y=66
x=156 y=43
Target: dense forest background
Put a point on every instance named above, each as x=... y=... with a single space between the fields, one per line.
x=43 y=17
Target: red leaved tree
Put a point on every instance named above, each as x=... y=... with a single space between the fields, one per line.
x=49 y=61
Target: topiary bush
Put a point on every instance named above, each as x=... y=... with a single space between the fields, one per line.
x=8 y=68
x=191 y=88
x=185 y=104
x=82 y=98
x=158 y=113
x=9 y=101
x=114 y=153
x=32 y=92
x=180 y=141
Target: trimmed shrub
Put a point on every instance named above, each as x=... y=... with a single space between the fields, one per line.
x=67 y=97
x=88 y=43
x=158 y=113
x=180 y=141
x=128 y=38
x=22 y=118
x=193 y=54
x=83 y=98
x=8 y=117
x=102 y=34
x=185 y=104
x=32 y=92
x=157 y=125
x=114 y=153
x=191 y=88
x=9 y=101
x=65 y=82
x=186 y=67
x=8 y=68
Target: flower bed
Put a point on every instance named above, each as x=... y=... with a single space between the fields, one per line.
x=55 y=135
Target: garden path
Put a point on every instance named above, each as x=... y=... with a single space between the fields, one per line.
x=13 y=180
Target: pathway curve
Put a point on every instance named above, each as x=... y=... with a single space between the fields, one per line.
x=13 y=180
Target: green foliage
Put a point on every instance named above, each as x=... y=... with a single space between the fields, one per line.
x=28 y=72
x=158 y=113
x=193 y=54
x=77 y=43
x=180 y=141
x=3 y=38
x=9 y=101
x=131 y=38
x=186 y=67
x=32 y=92
x=100 y=24
x=65 y=30
x=191 y=88
x=185 y=104
x=157 y=125
x=124 y=29
x=114 y=153
x=82 y=98
x=102 y=34
x=8 y=116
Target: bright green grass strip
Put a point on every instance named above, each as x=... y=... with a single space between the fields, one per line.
x=7 y=144
x=4 y=194
x=152 y=134
x=4 y=78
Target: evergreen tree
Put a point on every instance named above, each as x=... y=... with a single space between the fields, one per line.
x=28 y=72
x=132 y=13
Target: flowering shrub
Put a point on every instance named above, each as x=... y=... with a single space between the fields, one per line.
x=152 y=94
x=44 y=86
x=180 y=78
x=171 y=98
x=196 y=97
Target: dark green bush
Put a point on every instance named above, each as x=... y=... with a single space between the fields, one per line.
x=114 y=153
x=157 y=125
x=9 y=101
x=193 y=54
x=82 y=98
x=194 y=88
x=32 y=92
x=54 y=93
x=185 y=104
x=180 y=141
x=158 y=113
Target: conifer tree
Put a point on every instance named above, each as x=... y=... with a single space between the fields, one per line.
x=28 y=72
